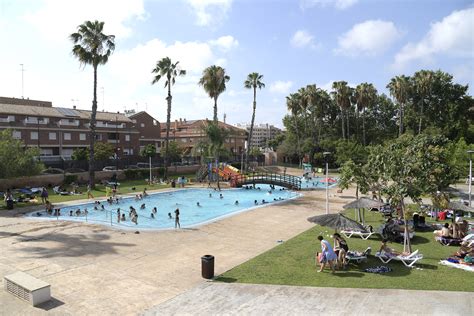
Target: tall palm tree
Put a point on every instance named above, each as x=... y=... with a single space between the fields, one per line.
x=342 y=94
x=213 y=81
x=293 y=105
x=165 y=68
x=365 y=95
x=254 y=81
x=399 y=87
x=92 y=47
x=423 y=80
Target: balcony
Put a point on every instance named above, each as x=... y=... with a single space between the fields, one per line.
x=8 y=119
x=113 y=141
x=36 y=121
x=68 y=122
x=110 y=125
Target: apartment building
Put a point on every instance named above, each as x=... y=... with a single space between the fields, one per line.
x=188 y=133
x=57 y=131
x=261 y=134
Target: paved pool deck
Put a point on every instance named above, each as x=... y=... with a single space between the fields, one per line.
x=214 y=298
x=95 y=270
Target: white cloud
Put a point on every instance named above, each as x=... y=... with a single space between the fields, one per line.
x=452 y=36
x=56 y=19
x=368 y=38
x=338 y=4
x=302 y=38
x=281 y=86
x=209 y=12
x=225 y=43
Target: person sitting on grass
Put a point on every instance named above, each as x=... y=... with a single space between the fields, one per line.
x=327 y=255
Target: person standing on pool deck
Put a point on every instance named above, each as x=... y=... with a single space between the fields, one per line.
x=176 y=219
x=118 y=215
x=328 y=255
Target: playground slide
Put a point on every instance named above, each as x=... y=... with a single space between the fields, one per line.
x=234 y=169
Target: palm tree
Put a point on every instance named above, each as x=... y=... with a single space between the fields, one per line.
x=342 y=93
x=423 y=81
x=92 y=47
x=365 y=95
x=399 y=87
x=213 y=81
x=293 y=105
x=254 y=81
x=165 y=68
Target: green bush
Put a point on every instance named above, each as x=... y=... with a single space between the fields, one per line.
x=133 y=174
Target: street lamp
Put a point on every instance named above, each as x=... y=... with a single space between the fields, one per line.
x=326 y=154
x=470 y=174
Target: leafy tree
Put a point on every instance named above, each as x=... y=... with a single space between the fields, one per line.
x=92 y=47
x=149 y=151
x=103 y=151
x=213 y=81
x=350 y=150
x=174 y=152
x=411 y=167
x=423 y=84
x=276 y=141
x=80 y=154
x=255 y=151
x=16 y=160
x=166 y=69
x=254 y=81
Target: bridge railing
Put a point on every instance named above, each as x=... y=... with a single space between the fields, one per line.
x=274 y=178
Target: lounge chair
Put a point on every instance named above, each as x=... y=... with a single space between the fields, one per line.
x=357 y=256
x=57 y=190
x=364 y=235
x=408 y=261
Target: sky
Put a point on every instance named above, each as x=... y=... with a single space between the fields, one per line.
x=293 y=43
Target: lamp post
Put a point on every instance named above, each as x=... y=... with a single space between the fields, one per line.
x=470 y=175
x=326 y=154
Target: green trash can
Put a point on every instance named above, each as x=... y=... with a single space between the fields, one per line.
x=207 y=266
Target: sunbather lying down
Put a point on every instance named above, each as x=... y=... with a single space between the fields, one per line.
x=384 y=249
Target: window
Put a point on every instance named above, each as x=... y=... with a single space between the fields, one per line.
x=82 y=136
x=98 y=136
x=67 y=136
x=34 y=135
x=127 y=138
x=142 y=124
x=52 y=136
x=16 y=134
x=155 y=123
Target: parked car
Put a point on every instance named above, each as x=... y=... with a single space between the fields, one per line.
x=131 y=167
x=110 y=168
x=74 y=170
x=52 y=171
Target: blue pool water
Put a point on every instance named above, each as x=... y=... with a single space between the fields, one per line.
x=211 y=207
x=316 y=183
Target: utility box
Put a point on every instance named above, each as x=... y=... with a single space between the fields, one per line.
x=27 y=287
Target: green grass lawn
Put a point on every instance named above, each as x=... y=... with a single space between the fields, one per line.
x=124 y=188
x=292 y=263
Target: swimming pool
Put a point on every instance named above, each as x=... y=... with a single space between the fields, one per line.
x=317 y=183
x=212 y=207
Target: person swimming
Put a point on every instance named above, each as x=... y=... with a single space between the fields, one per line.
x=78 y=212
x=221 y=196
x=152 y=215
x=263 y=202
x=210 y=194
x=102 y=207
x=255 y=202
x=197 y=204
x=236 y=202
x=142 y=207
x=169 y=216
x=70 y=213
x=154 y=210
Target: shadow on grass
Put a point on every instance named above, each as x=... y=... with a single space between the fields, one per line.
x=417 y=239
x=52 y=245
x=349 y=274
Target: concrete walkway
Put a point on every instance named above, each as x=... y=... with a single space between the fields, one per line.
x=214 y=298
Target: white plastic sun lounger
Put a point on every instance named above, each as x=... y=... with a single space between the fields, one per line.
x=408 y=261
x=351 y=256
x=363 y=235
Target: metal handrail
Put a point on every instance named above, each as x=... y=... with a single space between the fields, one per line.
x=274 y=178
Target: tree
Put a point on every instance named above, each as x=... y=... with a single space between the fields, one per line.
x=213 y=81
x=80 y=154
x=365 y=95
x=276 y=141
x=254 y=81
x=92 y=47
x=174 y=152
x=149 y=151
x=422 y=81
x=399 y=87
x=165 y=68
x=293 y=105
x=17 y=160
x=216 y=136
x=103 y=151
x=411 y=167
x=342 y=94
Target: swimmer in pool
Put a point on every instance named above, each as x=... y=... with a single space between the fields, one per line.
x=197 y=204
x=236 y=203
x=255 y=202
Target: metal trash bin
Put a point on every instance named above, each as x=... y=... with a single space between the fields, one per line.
x=9 y=204
x=207 y=266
